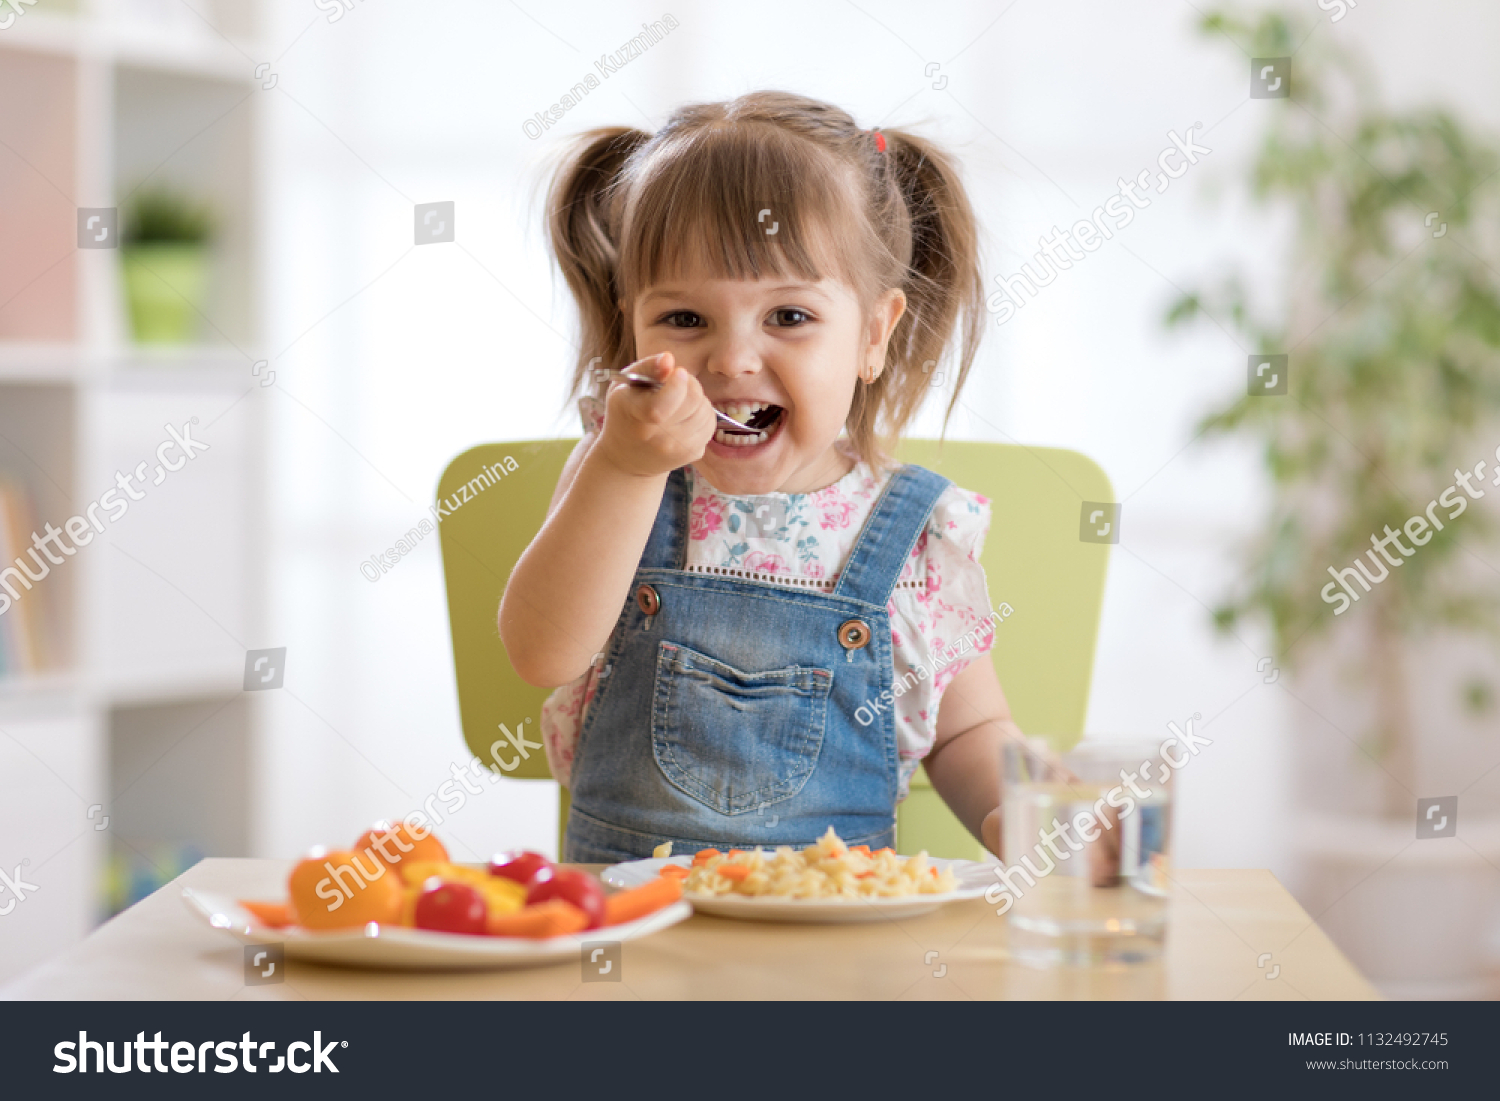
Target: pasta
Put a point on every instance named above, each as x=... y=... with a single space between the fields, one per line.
x=823 y=870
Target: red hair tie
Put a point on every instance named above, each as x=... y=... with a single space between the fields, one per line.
x=879 y=140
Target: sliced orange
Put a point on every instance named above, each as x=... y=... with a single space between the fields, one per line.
x=273 y=915
x=394 y=843
x=342 y=889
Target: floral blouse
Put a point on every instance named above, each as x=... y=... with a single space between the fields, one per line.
x=940 y=612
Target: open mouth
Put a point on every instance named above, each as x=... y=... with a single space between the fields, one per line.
x=763 y=417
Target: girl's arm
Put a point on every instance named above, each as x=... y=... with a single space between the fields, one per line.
x=964 y=763
x=564 y=595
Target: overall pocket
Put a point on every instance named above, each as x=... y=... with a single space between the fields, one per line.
x=732 y=740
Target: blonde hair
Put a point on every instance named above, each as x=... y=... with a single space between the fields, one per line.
x=625 y=206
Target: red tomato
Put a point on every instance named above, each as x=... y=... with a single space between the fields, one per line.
x=450 y=908
x=579 y=888
x=521 y=867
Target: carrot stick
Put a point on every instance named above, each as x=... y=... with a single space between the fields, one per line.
x=637 y=902
x=273 y=915
x=546 y=919
x=860 y=849
x=733 y=872
x=703 y=856
x=674 y=871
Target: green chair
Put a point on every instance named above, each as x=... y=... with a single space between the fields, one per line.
x=1034 y=560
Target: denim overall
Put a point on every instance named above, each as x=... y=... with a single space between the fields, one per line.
x=727 y=718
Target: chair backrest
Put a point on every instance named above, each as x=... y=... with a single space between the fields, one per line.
x=496 y=496
x=1036 y=561
x=482 y=538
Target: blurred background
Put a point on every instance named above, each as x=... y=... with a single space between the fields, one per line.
x=263 y=161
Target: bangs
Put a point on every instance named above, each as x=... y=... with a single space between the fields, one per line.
x=743 y=201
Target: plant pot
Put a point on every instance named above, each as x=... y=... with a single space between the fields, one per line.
x=164 y=289
x=1417 y=917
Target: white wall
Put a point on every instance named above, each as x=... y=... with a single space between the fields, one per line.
x=390 y=360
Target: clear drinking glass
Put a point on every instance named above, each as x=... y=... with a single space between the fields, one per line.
x=1087 y=851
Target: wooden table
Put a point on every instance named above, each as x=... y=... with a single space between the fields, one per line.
x=1221 y=925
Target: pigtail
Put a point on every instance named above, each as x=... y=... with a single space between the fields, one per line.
x=583 y=221
x=944 y=286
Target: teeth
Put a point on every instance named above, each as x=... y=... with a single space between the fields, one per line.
x=742 y=411
x=740 y=439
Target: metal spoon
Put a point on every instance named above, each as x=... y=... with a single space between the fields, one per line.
x=726 y=422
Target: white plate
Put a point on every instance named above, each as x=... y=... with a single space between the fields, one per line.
x=973 y=879
x=398 y=947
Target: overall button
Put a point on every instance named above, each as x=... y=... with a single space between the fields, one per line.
x=854 y=634
x=647 y=600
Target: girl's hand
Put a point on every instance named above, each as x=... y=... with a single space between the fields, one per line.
x=1047 y=763
x=652 y=432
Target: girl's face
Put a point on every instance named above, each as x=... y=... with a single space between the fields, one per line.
x=793 y=347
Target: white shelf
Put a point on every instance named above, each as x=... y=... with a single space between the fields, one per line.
x=169 y=689
x=44 y=693
x=202 y=55
x=191 y=367
x=188 y=367
x=40 y=31
x=1368 y=840
x=144 y=618
x=183 y=51
x=33 y=362
x=32 y=692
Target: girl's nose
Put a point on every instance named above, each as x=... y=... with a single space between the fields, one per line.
x=733 y=357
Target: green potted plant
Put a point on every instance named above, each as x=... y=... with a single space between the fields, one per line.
x=165 y=255
x=1390 y=320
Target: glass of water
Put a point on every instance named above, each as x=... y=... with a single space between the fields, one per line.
x=1086 y=842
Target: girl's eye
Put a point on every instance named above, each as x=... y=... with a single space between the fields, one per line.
x=790 y=317
x=681 y=319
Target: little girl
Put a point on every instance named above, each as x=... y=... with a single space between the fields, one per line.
x=744 y=626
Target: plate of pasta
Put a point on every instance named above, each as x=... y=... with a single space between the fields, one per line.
x=826 y=882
